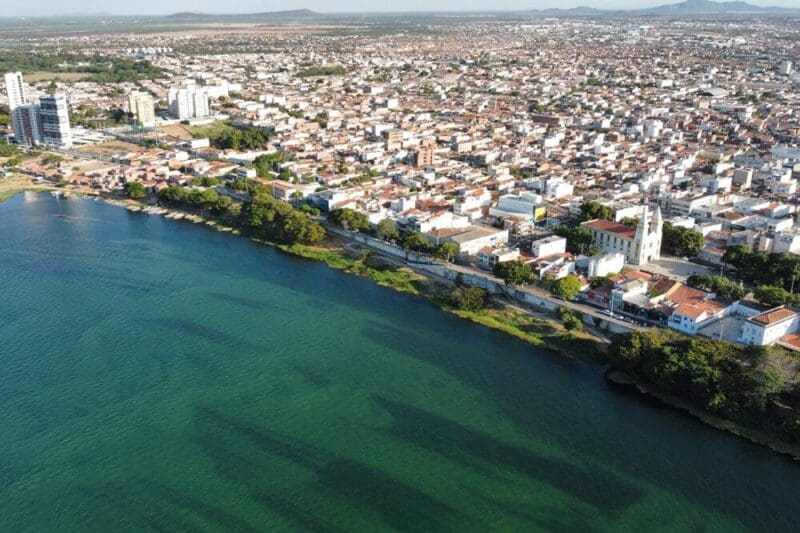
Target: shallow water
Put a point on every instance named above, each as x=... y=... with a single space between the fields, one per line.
x=159 y=375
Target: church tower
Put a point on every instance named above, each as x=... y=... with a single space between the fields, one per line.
x=640 y=240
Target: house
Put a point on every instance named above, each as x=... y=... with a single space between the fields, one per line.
x=768 y=327
x=489 y=257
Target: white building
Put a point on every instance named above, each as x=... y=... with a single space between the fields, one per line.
x=15 y=89
x=142 y=106
x=54 y=115
x=17 y=96
x=639 y=245
x=549 y=246
x=766 y=328
x=188 y=103
x=605 y=264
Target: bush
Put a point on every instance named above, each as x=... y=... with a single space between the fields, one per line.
x=468 y=298
x=135 y=189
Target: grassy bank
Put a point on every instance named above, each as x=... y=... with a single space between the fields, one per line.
x=537 y=331
x=401 y=279
x=5 y=195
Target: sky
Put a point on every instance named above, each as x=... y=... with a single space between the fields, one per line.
x=60 y=7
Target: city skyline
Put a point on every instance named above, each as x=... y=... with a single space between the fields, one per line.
x=153 y=7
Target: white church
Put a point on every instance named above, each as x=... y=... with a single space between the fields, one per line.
x=639 y=245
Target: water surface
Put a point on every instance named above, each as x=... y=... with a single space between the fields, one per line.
x=157 y=375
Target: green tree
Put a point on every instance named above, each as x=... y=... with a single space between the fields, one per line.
x=417 y=242
x=570 y=320
x=447 y=250
x=134 y=189
x=680 y=241
x=567 y=287
x=772 y=295
x=349 y=219
x=387 y=230
x=513 y=272
x=594 y=210
x=468 y=298
x=721 y=286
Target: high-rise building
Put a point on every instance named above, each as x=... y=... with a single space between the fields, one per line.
x=17 y=96
x=785 y=68
x=27 y=124
x=424 y=156
x=15 y=89
x=141 y=105
x=54 y=115
x=188 y=103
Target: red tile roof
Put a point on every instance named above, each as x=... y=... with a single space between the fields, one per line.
x=611 y=227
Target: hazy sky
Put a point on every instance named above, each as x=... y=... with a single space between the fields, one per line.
x=51 y=7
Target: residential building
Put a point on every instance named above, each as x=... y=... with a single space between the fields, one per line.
x=768 y=327
x=142 y=106
x=188 y=102
x=27 y=124
x=54 y=115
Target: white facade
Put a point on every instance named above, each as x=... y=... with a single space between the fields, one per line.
x=15 y=90
x=639 y=246
x=549 y=246
x=605 y=264
x=765 y=329
x=188 y=103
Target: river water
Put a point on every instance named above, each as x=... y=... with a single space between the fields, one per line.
x=158 y=375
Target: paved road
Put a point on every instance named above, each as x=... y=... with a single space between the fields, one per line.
x=535 y=291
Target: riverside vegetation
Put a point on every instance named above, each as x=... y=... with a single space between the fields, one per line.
x=295 y=230
x=753 y=387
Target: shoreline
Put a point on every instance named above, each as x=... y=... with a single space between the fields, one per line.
x=624 y=381
x=497 y=315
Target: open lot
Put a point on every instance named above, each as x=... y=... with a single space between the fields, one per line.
x=56 y=76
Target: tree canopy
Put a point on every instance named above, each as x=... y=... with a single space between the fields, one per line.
x=349 y=219
x=594 y=210
x=680 y=241
x=513 y=272
x=567 y=287
x=134 y=189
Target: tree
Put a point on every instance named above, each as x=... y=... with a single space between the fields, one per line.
x=416 y=241
x=774 y=296
x=578 y=238
x=722 y=287
x=349 y=219
x=567 y=287
x=570 y=320
x=680 y=241
x=265 y=164
x=468 y=298
x=513 y=272
x=387 y=230
x=594 y=210
x=599 y=281
x=447 y=250
x=134 y=189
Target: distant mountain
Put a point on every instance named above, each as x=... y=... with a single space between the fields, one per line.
x=698 y=7
x=266 y=16
x=686 y=8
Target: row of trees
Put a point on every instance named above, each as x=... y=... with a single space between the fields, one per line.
x=277 y=220
x=742 y=383
x=195 y=199
x=386 y=229
x=720 y=285
x=762 y=268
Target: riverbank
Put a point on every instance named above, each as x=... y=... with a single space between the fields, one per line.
x=627 y=382
x=14 y=184
x=539 y=332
